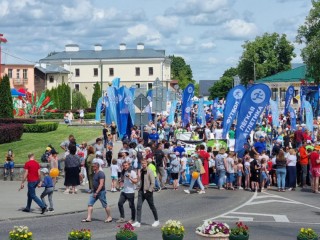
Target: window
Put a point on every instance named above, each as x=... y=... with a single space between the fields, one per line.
x=137 y=71
x=149 y=86
x=274 y=94
x=51 y=79
x=138 y=85
x=25 y=73
x=77 y=72
x=111 y=72
x=18 y=73
x=95 y=72
x=77 y=87
x=150 y=71
x=10 y=73
x=62 y=79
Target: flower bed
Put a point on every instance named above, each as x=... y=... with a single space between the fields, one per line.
x=10 y=132
x=20 y=233
x=215 y=230
x=41 y=127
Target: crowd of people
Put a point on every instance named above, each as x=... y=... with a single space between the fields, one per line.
x=154 y=159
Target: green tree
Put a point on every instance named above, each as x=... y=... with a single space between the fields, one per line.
x=96 y=95
x=266 y=55
x=309 y=34
x=182 y=72
x=79 y=100
x=6 y=104
x=224 y=84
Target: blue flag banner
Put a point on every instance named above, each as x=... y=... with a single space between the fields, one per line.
x=289 y=96
x=215 y=108
x=201 y=120
x=148 y=108
x=107 y=110
x=231 y=108
x=275 y=113
x=309 y=115
x=172 y=111
x=252 y=105
x=112 y=97
x=98 y=110
x=116 y=82
x=123 y=112
x=133 y=91
x=129 y=101
x=293 y=118
x=188 y=93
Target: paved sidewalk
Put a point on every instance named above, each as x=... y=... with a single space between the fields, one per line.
x=13 y=201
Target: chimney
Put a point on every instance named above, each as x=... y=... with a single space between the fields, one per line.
x=72 y=48
x=122 y=46
x=140 y=46
x=97 y=47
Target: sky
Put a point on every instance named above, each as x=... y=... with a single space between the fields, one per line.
x=208 y=34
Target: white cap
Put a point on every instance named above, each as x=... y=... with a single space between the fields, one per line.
x=44 y=170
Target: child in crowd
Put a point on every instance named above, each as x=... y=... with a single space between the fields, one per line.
x=53 y=160
x=240 y=173
x=114 y=174
x=120 y=160
x=183 y=167
x=247 y=172
x=264 y=173
x=9 y=165
x=48 y=185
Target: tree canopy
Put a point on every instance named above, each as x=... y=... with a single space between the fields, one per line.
x=96 y=95
x=309 y=34
x=182 y=72
x=266 y=55
x=224 y=84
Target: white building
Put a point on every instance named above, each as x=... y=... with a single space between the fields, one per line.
x=139 y=66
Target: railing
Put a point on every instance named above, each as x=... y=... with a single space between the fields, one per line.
x=20 y=81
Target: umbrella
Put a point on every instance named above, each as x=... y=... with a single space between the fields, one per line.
x=15 y=93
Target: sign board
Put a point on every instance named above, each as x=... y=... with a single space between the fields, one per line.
x=141 y=101
x=140 y=91
x=141 y=119
x=157 y=82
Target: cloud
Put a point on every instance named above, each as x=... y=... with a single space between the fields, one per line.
x=4 y=8
x=143 y=33
x=207 y=45
x=186 y=41
x=196 y=6
x=167 y=24
x=239 y=29
x=212 y=60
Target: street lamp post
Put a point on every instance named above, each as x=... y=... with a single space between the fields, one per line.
x=2 y=40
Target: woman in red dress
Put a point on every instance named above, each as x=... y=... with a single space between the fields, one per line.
x=204 y=156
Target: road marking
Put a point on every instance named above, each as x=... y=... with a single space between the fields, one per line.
x=270 y=201
x=277 y=218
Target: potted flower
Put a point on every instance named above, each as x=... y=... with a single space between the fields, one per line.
x=307 y=234
x=20 y=233
x=214 y=230
x=126 y=233
x=240 y=232
x=84 y=234
x=172 y=230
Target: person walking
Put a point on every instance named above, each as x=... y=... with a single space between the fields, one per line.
x=196 y=168
x=32 y=175
x=99 y=193
x=146 y=193
x=129 y=184
x=48 y=185
x=88 y=166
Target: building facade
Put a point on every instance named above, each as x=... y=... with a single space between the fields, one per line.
x=139 y=67
x=20 y=76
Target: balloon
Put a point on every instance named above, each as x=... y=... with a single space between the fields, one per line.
x=54 y=172
x=195 y=175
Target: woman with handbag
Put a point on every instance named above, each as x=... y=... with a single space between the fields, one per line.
x=204 y=171
x=196 y=174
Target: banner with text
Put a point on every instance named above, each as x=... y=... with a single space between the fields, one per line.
x=275 y=113
x=289 y=96
x=293 y=118
x=231 y=108
x=187 y=104
x=251 y=107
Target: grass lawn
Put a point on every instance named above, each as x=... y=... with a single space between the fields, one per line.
x=37 y=142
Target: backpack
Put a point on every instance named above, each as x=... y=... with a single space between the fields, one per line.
x=44 y=157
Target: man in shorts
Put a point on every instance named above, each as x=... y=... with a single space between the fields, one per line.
x=98 y=193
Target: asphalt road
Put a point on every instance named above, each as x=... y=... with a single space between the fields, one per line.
x=270 y=215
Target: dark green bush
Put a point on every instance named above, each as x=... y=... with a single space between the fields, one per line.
x=17 y=120
x=54 y=115
x=41 y=127
x=10 y=132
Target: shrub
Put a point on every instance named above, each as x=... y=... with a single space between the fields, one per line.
x=54 y=115
x=6 y=104
x=17 y=120
x=96 y=95
x=41 y=127
x=79 y=100
x=89 y=115
x=10 y=132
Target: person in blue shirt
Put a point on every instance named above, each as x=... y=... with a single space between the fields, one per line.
x=48 y=185
x=154 y=136
x=259 y=146
x=179 y=149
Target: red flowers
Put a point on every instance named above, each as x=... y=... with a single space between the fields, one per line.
x=241 y=229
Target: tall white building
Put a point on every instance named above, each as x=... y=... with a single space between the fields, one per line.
x=139 y=66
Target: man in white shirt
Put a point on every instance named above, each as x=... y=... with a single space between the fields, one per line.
x=129 y=185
